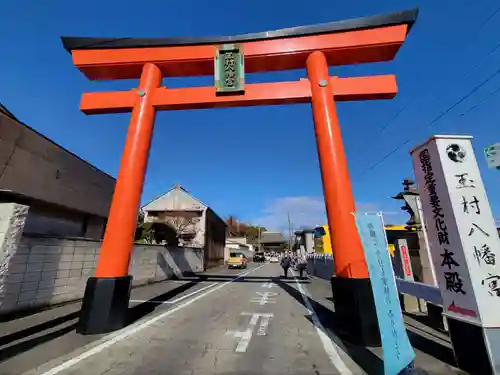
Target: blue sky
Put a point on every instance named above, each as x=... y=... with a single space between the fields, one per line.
x=258 y=163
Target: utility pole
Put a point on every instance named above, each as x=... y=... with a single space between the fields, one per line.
x=289 y=233
x=258 y=237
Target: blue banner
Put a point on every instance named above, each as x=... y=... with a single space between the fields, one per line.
x=398 y=353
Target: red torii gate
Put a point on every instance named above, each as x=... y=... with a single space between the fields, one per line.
x=362 y=40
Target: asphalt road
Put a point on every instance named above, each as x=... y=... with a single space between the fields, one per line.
x=245 y=322
x=227 y=324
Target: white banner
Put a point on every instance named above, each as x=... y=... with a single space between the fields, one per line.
x=461 y=230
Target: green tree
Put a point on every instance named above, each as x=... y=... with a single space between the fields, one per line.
x=238 y=228
x=156 y=233
x=252 y=234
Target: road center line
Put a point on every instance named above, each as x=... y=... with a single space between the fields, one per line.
x=133 y=329
x=331 y=349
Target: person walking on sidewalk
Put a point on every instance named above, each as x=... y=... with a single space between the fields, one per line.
x=285 y=263
x=302 y=265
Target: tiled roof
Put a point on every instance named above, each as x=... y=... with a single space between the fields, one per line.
x=272 y=237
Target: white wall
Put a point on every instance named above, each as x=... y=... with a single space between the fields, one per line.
x=12 y=220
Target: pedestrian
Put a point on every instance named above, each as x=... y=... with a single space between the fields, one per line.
x=302 y=265
x=286 y=260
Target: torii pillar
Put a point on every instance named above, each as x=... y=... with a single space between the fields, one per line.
x=362 y=40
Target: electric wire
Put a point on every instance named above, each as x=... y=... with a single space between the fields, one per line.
x=431 y=123
x=437 y=98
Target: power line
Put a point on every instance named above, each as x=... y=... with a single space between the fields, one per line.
x=431 y=123
x=488 y=55
x=438 y=97
x=485 y=98
x=386 y=125
x=484 y=24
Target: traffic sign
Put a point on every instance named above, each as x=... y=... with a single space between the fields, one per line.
x=492 y=154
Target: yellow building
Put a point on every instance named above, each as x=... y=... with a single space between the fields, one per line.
x=322 y=243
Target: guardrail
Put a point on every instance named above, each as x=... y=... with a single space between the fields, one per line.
x=423 y=291
x=321 y=265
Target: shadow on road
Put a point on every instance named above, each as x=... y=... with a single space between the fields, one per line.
x=433 y=348
x=367 y=360
x=29 y=338
x=137 y=312
x=23 y=333
x=147 y=307
x=427 y=321
x=23 y=346
x=246 y=279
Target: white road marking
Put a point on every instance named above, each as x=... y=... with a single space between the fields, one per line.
x=264 y=298
x=246 y=335
x=255 y=317
x=114 y=338
x=264 y=324
x=331 y=349
x=269 y=285
x=177 y=299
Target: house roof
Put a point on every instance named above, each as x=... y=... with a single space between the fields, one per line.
x=175 y=187
x=179 y=187
x=272 y=237
x=6 y=112
x=304 y=230
x=405 y=17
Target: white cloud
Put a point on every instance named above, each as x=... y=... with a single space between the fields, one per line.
x=304 y=211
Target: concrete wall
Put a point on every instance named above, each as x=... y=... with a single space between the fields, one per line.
x=44 y=271
x=12 y=219
x=34 y=166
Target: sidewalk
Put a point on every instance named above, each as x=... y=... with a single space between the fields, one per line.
x=433 y=349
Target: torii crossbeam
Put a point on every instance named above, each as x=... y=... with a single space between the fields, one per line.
x=362 y=40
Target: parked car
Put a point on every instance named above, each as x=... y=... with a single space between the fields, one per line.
x=259 y=257
x=237 y=260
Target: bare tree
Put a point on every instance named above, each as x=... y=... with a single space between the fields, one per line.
x=184 y=223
